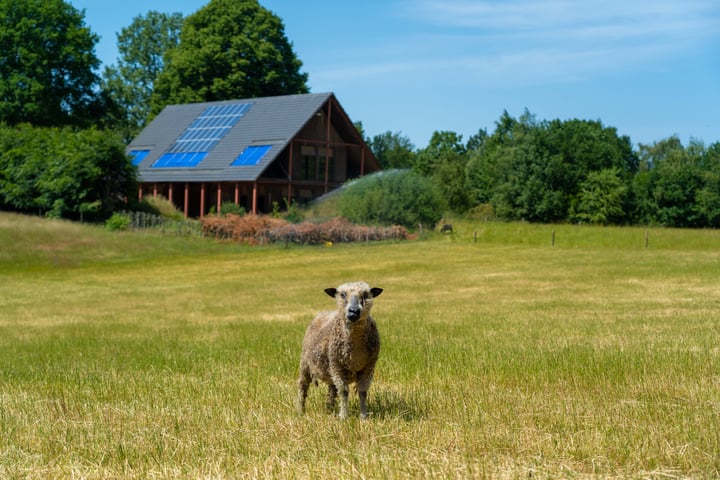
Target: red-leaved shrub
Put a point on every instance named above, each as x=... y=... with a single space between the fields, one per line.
x=258 y=229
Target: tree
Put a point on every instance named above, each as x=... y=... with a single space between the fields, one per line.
x=668 y=190
x=444 y=160
x=601 y=199
x=229 y=49
x=61 y=172
x=708 y=197
x=393 y=150
x=47 y=63
x=142 y=47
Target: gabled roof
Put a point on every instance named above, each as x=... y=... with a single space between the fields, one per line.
x=232 y=140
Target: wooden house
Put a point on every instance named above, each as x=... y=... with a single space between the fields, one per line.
x=252 y=152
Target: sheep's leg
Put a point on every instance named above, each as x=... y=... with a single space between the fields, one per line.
x=344 y=393
x=332 y=393
x=363 y=385
x=303 y=384
x=363 y=404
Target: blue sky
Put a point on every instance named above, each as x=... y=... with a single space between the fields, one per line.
x=651 y=69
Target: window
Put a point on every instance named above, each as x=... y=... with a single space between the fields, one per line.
x=138 y=156
x=251 y=155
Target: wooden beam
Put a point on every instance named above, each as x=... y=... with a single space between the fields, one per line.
x=327 y=143
x=290 y=175
x=219 y=197
x=186 y=200
x=254 y=198
x=202 y=200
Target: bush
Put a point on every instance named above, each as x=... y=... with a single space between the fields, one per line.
x=118 y=221
x=257 y=229
x=61 y=172
x=394 y=197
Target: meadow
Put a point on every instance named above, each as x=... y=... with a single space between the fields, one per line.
x=136 y=355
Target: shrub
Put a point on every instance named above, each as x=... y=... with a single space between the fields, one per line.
x=256 y=229
x=394 y=197
x=118 y=221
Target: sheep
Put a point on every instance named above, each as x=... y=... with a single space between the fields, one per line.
x=341 y=347
x=447 y=227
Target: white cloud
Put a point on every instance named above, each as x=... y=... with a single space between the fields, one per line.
x=528 y=42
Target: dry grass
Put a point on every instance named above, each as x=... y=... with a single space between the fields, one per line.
x=500 y=359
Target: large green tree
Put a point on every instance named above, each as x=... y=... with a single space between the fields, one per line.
x=47 y=63
x=393 y=150
x=63 y=172
x=552 y=171
x=142 y=47
x=229 y=49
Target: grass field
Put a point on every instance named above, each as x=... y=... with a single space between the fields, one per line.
x=126 y=355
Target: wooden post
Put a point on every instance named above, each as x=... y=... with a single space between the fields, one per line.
x=553 y=238
x=186 y=200
x=237 y=193
x=647 y=234
x=219 y=197
x=327 y=144
x=140 y=192
x=202 y=200
x=254 y=198
x=290 y=174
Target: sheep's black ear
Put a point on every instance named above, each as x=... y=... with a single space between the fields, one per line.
x=331 y=291
x=376 y=291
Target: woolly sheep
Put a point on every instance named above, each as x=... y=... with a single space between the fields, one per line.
x=341 y=347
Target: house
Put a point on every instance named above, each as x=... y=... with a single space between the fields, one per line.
x=252 y=152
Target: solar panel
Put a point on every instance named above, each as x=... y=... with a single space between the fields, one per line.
x=202 y=135
x=251 y=155
x=138 y=156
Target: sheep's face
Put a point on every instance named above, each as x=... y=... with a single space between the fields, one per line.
x=354 y=299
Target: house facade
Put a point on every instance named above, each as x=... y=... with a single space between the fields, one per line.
x=251 y=152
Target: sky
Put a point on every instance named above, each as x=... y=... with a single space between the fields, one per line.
x=650 y=69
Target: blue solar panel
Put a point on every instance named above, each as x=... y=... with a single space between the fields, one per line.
x=138 y=156
x=202 y=135
x=251 y=155
x=186 y=159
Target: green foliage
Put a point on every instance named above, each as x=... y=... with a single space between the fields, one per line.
x=444 y=160
x=231 y=208
x=62 y=172
x=229 y=49
x=548 y=171
x=47 y=61
x=160 y=205
x=601 y=198
x=401 y=197
x=118 y=221
x=142 y=47
x=677 y=188
x=393 y=150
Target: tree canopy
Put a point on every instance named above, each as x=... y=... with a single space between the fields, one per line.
x=142 y=47
x=47 y=63
x=229 y=49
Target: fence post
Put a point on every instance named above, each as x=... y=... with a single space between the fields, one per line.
x=553 y=238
